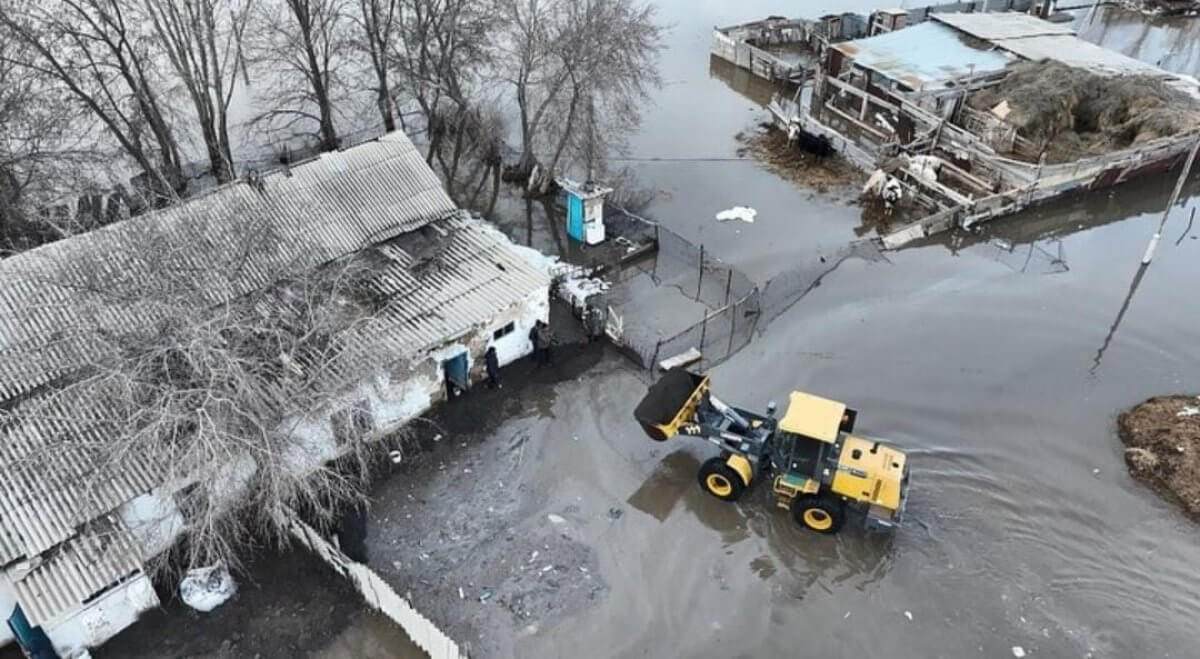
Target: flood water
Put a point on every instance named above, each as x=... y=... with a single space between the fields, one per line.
x=1023 y=528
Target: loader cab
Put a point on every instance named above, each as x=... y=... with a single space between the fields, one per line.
x=808 y=431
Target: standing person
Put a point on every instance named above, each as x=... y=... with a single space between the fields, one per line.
x=595 y=324
x=492 y=362
x=546 y=342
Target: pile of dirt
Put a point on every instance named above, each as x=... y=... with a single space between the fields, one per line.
x=1073 y=113
x=1162 y=439
x=771 y=147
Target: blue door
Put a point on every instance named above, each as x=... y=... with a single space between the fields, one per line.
x=31 y=639
x=575 y=217
x=457 y=378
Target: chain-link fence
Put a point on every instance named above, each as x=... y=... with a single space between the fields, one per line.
x=732 y=308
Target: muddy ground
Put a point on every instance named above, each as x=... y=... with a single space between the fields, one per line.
x=460 y=528
x=1162 y=439
x=291 y=605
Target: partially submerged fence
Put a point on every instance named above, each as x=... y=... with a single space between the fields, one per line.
x=734 y=307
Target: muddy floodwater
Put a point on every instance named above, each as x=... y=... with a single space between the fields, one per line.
x=998 y=360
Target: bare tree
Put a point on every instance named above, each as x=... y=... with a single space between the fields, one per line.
x=217 y=397
x=47 y=155
x=298 y=45
x=573 y=63
x=379 y=27
x=444 y=55
x=201 y=39
x=96 y=50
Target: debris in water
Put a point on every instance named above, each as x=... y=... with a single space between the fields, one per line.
x=743 y=213
x=547 y=568
x=533 y=556
x=1095 y=471
x=555 y=519
x=1018 y=651
x=846 y=616
x=1161 y=449
x=615 y=513
x=908 y=614
x=487 y=595
x=461 y=594
x=396 y=456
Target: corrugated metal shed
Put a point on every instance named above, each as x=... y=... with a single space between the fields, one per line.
x=992 y=26
x=103 y=555
x=924 y=55
x=320 y=210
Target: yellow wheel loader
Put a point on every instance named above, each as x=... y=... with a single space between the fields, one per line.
x=818 y=469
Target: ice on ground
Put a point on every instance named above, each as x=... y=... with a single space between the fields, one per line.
x=743 y=213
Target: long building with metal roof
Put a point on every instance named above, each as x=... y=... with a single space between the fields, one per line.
x=73 y=536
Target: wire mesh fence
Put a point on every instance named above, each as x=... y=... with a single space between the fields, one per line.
x=734 y=307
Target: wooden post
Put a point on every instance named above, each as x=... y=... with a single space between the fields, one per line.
x=728 y=285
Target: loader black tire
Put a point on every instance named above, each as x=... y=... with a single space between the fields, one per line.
x=720 y=480
x=820 y=514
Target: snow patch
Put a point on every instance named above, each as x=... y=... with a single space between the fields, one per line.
x=743 y=213
x=1189 y=411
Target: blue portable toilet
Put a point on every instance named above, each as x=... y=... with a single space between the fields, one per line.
x=585 y=210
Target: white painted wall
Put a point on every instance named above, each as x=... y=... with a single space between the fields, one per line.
x=402 y=392
x=103 y=618
x=8 y=601
x=154 y=520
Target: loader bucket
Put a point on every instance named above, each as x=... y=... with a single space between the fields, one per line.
x=670 y=403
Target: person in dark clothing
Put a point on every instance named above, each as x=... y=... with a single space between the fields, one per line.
x=352 y=531
x=595 y=324
x=543 y=340
x=492 y=363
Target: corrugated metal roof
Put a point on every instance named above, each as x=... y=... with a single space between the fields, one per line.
x=923 y=55
x=991 y=26
x=53 y=478
x=104 y=554
x=320 y=210
x=52 y=484
x=474 y=276
x=1073 y=51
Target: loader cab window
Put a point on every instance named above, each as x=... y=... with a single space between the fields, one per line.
x=801 y=454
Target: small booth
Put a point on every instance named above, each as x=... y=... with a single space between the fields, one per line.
x=585 y=210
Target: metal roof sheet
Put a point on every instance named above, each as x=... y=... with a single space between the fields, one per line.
x=923 y=55
x=103 y=555
x=1073 y=51
x=51 y=483
x=320 y=210
x=991 y=26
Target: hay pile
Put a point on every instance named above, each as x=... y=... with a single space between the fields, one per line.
x=770 y=146
x=1075 y=113
x=1162 y=439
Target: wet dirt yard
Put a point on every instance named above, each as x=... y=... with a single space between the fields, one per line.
x=1024 y=528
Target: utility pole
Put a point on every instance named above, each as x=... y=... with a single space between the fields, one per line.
x=1183 y=175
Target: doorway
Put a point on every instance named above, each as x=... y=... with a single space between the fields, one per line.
x=457 y=377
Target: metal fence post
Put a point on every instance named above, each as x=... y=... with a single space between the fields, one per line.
x=728 y=285
x=732 y=327
x=700 y=278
